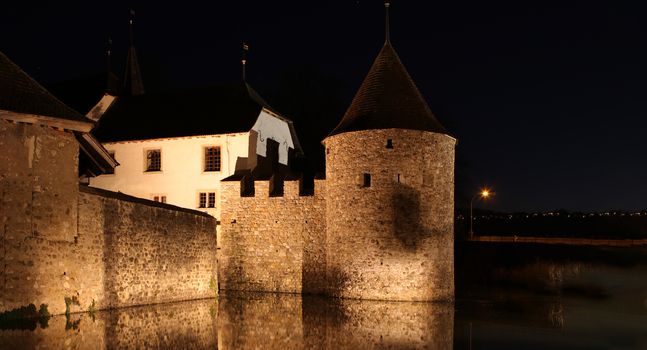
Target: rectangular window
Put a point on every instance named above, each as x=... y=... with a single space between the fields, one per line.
x=154 y=160
x=207 y=200
x=159 y=198
x=111 y=171
x=212 y=158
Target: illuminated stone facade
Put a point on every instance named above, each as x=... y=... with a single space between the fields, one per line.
x=387 y=207
x=273 y=244
x=391 y=239
x=93 y=246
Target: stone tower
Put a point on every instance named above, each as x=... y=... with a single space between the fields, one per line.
x=390 y=192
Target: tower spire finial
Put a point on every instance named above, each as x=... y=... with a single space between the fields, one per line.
x=243 y=60
x=109 y=52
x=133 y=83
x=130 y=26
x=387 y=4
x=109 y=80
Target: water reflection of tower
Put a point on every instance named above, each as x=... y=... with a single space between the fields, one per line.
x=390 y=192
x=284 y=321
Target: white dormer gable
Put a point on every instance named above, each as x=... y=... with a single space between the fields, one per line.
x=270 y=125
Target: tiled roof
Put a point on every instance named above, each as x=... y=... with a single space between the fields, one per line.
x=199 y=111
x=388 y=98
x=22 y=94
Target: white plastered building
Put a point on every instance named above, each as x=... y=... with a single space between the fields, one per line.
x=176 y=147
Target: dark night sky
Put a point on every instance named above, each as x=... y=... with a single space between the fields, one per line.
x=547 y=101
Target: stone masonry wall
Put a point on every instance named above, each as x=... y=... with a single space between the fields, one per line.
x=151 y=253
x=38 y=211
x=95 y=246
x=272 y=244
x=391 y=239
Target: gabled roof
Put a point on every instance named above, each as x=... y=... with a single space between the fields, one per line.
x=388 y=98
x=199 y=111
x=21 y=94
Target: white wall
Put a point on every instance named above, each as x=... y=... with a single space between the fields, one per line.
x=182 y=176
x=269 y=126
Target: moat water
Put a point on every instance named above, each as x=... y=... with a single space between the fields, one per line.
x=514 y=321
x=577 y=303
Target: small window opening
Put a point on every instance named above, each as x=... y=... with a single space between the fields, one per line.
x=367 y=180
x=389 y=143
x=398 y=178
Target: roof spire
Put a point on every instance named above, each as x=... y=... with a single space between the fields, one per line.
x=109 y=54
x=130 y=27
x=133 y=83
x=112 y=82
x=387 y=4
x=243 y=61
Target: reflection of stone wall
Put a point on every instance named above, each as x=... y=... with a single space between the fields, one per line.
x=59 y=334
x=273 y=244
x=279 y=321
x=249 y=321
x=394 y=239
x=260 y=321
x=187 y=325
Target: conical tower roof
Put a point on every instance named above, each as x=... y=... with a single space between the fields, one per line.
x=388 y=98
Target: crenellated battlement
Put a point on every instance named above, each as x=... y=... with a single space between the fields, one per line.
x=272 y=234
x=274 y=187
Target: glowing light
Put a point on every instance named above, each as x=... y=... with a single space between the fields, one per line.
x=485 y=193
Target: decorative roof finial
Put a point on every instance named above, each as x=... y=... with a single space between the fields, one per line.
x=387 y=4
x=243 y=61
x=131 y=23
x=109 y=51
x=133 y=83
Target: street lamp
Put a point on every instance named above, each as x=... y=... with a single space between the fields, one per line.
x=484 y=193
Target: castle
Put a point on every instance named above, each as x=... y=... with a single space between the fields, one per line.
x=379 y=226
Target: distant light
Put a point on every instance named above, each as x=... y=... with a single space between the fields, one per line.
x=485 y=193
